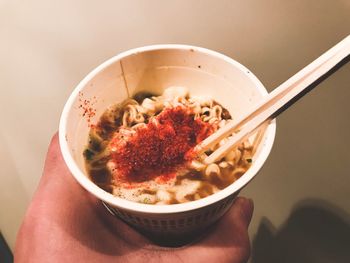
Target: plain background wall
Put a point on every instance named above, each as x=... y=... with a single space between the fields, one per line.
x=47 y=47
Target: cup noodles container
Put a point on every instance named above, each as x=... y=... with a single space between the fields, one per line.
x=155 y=68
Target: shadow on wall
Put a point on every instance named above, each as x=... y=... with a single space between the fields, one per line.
x=315 y=232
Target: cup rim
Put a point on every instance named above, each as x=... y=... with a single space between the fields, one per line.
x=86 y=183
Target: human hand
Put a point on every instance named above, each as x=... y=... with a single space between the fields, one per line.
x=64 y=223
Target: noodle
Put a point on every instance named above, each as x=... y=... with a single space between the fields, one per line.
x=162 y=171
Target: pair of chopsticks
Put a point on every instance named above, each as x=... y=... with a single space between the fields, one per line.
x=275 y=102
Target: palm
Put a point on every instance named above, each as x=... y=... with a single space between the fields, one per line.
x=66 y=224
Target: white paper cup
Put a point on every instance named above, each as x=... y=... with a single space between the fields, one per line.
x=154 y=68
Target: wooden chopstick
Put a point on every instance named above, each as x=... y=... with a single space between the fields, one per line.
x=274 y=103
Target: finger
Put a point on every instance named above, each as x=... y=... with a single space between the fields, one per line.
x=228 y=240
x=240 y=213
x=233 y=227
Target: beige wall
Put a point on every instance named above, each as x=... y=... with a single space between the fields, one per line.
x=47 y=47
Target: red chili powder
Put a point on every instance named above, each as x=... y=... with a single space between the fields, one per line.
x=160 y=149
x=88 y=111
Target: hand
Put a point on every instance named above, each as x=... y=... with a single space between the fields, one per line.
x=64 y=223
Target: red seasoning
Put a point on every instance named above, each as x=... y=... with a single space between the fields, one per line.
x=87 y=106
x=160 y=148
